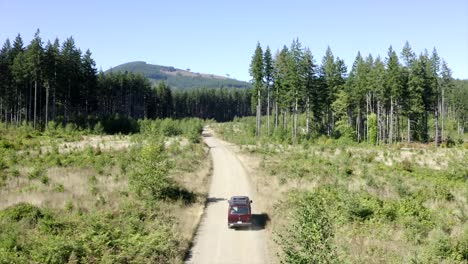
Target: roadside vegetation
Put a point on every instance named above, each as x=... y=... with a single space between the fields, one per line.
x=78 y=196
x=338 y=201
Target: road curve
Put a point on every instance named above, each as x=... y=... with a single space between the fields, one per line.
x=214 y=242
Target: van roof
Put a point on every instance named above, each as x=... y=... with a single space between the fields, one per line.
x=239 y=200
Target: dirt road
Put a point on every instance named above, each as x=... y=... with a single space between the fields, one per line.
x=214 y=242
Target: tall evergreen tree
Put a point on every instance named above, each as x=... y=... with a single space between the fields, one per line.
x=88 y=90
x=268 y=76
x=309 y=79
x=332 y=78
x=409 y=58
x=393 y=78
x=256 y=71
x=5 y=78
x=297 y=88
x=446 y=85
x=35 y=57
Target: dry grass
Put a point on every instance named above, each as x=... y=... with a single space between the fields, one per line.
x=105 y=143
x=386 y=245
x=66 y=185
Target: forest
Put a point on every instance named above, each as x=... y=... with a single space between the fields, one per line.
x=401 y=97
x=61 y=83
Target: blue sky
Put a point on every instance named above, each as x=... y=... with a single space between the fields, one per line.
x=219 y=36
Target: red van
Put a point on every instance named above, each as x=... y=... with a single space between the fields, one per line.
x=240 y=212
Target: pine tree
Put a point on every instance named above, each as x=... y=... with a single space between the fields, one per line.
x=35 y=57
x=377 y=93
x=256 y=71
x=51 y=68
x=409 y=58
x=88 y=91
x=446 y=84
x=268 y=80
x=297 y=87
x=5 y=78
x=393 y=82
x=435 y=69
x=332 y=79
x=309 y=80
x=281 y=86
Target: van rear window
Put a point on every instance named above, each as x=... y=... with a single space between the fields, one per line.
x=239 y=210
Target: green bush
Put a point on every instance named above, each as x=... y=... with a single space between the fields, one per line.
x=45 y=179
x=310 y=237
x=22 y=212
x=149 y=175
x=407 y=165
x=170 y=128
x=372 y=129
x=36 y=173
x=363 y=206
x=98 y=128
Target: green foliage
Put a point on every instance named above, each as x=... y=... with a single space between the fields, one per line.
x=37 y=172
x=311 y=235
x=45 y=179
x=149 y=176
x=98 y=128
x=22 y=212
x=373 y=129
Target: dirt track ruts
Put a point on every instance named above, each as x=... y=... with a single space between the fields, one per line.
x=214 y=242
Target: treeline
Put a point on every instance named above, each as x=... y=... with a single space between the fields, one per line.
x=380 y=100
x=61 y=83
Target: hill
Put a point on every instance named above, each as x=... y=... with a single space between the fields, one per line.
x=177 y=78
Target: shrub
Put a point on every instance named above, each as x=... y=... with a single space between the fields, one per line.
x=149 y=175
x=22 y=211
x=45 y=180
x=406 y=165
x=37 y=172
x=373 y=129
x=59 y=188
x=98 y=128
x=170 y=128
x=362 y=206
x=415 y=217
x=310 y=237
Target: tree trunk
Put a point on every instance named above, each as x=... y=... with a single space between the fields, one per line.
x=276 y=108
x=295 y=120
x=409 y=129
x=47 y=105
x=442 y=116
x=437 y=126
x=367 y=117
x=425 y=129
x=54 y=109
x=379 y=127
x=35 y=102
x=357 y=128
x=308 y=117
x=268 y=110
x=259 y=114
x=385 y=135
x=28 y=119
x=390 y=133
x=396 y=136
x=285 y=120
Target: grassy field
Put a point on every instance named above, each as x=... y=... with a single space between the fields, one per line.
x=69 y=196
x=341 y=202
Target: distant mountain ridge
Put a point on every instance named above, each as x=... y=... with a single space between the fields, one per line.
x=177 y=78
